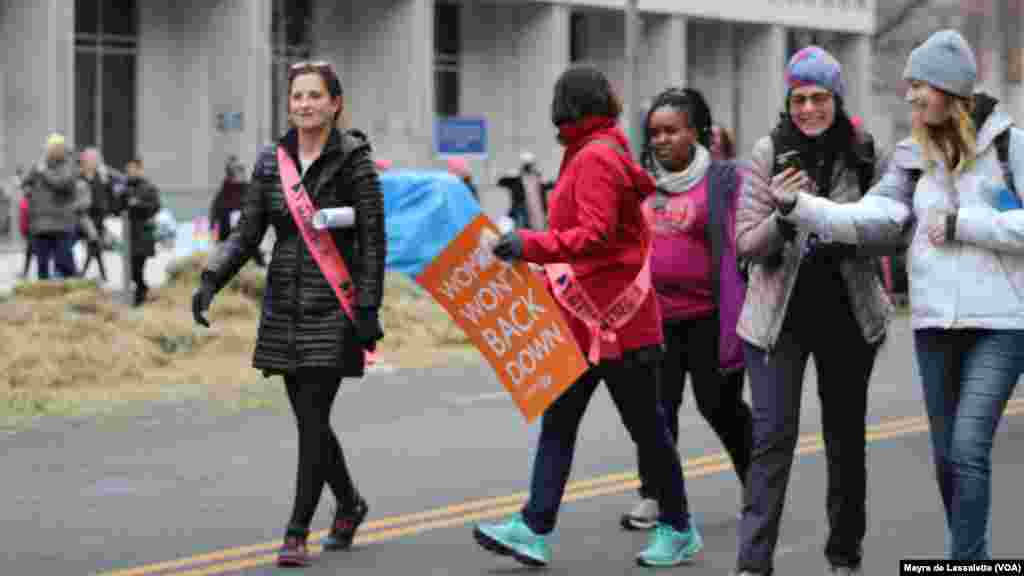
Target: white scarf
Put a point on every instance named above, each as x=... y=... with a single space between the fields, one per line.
x=679 y=182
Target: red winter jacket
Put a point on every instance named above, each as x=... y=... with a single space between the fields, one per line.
x=597 y=226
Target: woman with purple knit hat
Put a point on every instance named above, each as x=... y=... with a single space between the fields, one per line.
x=797 y=284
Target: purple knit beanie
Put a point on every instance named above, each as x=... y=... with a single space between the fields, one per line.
x=813 y=66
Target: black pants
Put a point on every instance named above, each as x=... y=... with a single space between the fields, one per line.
x=94 y=251
x=311 y=393
x=139 y=277
x=633 y=383
x=55 y=246
x=844 y=361
x=28 y=255
x=691 y=347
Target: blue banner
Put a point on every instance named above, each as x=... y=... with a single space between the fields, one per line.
x=423 y=212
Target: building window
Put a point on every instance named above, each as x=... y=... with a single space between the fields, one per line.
x=447 y=47
x=106 y=54
x=291 y=32
x=577 y=44
x=797 y=39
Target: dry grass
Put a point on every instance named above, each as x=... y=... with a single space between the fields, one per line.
x=68 y=347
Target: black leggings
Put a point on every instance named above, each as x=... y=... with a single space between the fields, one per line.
x=94 y=251
x=139 y=277
x=28 y=255
x=691 y=347
x=311 y=393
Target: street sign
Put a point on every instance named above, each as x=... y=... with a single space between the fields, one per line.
x=460 y=136
x=229 y=122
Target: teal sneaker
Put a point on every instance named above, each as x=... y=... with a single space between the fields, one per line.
x=670 y=547
x=514 y=538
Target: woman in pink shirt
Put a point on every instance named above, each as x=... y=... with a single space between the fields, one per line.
x=699 y=290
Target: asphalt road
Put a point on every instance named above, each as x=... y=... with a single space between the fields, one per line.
x=187 y=489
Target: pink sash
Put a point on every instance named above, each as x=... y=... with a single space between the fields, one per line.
x=570 y=294
x=320 y=243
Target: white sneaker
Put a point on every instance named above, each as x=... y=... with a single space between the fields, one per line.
x=643 y=516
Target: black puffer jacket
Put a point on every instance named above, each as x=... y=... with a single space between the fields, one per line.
x=302 y=324
x=142 y=200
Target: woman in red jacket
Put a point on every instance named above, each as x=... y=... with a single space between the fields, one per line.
x=597 y=227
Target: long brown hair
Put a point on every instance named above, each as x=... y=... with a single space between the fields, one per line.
x=954 y=142
x=325 y=70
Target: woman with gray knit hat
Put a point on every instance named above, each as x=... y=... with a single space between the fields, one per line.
x=951 y=187
x=797 y=283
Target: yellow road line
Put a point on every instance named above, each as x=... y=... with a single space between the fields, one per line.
x=393 y=527
x=392 y=534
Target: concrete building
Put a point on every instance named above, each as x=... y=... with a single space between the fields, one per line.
x=185 y=84
x=993 y=27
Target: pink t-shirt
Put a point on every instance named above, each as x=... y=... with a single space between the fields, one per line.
x=681 y=255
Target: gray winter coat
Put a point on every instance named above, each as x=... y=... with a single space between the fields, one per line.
x=55 y=200
x=758 y=237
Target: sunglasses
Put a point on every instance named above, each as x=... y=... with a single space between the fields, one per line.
x=820 y=99
x=311 y=66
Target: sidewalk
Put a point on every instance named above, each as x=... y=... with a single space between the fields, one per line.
x=12 y=261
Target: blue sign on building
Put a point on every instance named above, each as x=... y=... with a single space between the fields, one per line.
x=229 y=122
x=460 y=136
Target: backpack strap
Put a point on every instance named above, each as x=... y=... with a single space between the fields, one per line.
x=914 y=174
x=721 y=183
x=611 y=144
x=1002 y=143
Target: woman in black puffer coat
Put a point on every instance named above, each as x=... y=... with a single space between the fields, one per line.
x=304 y=333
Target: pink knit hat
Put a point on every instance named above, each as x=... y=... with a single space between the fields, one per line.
x=458 y=166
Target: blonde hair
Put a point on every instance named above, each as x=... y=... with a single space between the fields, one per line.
x=954 y=142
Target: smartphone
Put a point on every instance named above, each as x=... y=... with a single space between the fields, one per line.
x=789 y=159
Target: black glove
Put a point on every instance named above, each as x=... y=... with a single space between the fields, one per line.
x=201 y=300
x=509 y=247
x=368 y=327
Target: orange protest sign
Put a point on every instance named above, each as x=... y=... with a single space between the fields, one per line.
x=508 y=315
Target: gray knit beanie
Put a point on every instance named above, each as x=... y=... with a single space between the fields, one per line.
x=945 y=61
